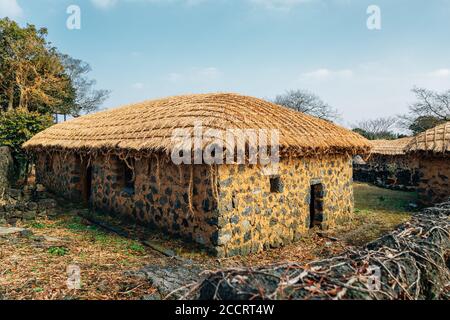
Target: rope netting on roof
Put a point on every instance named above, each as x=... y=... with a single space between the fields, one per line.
x=150 y=125
x=436 y=140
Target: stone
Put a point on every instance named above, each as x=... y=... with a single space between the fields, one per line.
x=245 y=225
x=227 y=182
x=8 y=231
x=32 y=206
x=172 y=279
x=247 y=211
x=29 y=215
x=163 y=200
x=200 y=239
x=234 y=219
x=47 y=203
x=206 y=205
x=223 y=238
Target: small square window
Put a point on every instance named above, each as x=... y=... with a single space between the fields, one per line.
x=276 y=185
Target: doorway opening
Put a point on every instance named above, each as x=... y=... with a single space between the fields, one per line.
x=316 y=206
x=87 y=184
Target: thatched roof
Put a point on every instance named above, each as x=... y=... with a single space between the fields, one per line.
x=148 y=126
x=436 y=140
x=390 y=147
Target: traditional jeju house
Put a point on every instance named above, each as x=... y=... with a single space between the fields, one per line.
x=432 y=148
x=120 y=162
x=389 y=166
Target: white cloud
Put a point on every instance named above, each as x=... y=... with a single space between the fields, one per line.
x=10 y=9
x=440 y=73
x=326 y=74
x=104 y=4
x=138 y=85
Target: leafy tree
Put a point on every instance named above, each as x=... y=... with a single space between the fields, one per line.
x=36 y=81
x=32 y=76
x=424 y=123
x=306 y=102
x=16 y=127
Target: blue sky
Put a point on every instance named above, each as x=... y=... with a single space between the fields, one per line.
x=142 y=49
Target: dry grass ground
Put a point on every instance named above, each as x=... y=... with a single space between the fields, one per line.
x=35 y=268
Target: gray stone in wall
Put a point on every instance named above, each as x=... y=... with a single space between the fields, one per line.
x=6 y=163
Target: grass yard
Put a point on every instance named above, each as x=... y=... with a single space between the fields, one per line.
x=377 y=211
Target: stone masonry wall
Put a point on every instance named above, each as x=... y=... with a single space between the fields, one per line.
x=60 y=173
x=160 y=197
x=6 y=163
x=248 y=217
x=253 y=218
x=389 y=171
x=434 y=184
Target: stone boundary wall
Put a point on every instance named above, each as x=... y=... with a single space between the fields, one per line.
x=399 y=172
x=6 y=164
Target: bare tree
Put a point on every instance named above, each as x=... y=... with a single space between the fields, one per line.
x=307 y=102
x=430 y=109
x=379 y=128
x=87 y=98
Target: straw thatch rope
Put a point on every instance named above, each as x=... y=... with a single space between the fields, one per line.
x=148 y=126
x=435 y=140
x=390 y=147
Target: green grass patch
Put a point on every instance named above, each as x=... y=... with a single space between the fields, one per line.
x=37 y=225
x=371 y=198
x=58 y=251
x=137 y=248
x=377 y=211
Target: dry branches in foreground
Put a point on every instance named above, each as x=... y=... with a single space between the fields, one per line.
x=409 y=263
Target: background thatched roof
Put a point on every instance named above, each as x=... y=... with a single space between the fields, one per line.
x=390 y=147
x=435 y=140
x=149 y=125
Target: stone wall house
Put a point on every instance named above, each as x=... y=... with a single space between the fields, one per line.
x=120 y=162
x=432 y=148
x=6 y=164
x=389 y=166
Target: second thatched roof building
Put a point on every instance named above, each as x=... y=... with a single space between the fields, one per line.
x=432 y=148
